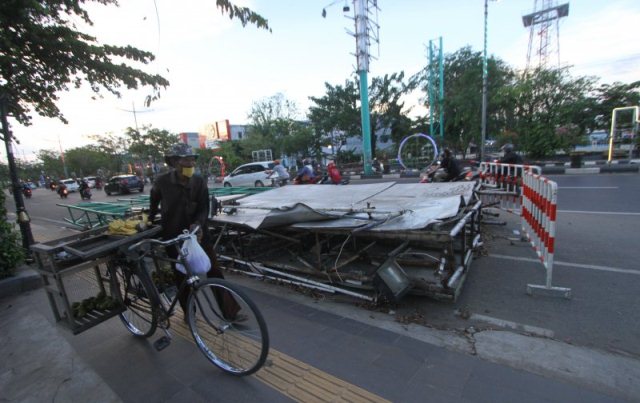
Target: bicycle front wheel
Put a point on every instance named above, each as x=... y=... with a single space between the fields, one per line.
x=227 y=327
x=137 y=293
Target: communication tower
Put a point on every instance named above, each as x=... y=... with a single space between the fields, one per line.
x=544 y=33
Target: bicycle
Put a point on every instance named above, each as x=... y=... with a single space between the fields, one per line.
x=238 y=345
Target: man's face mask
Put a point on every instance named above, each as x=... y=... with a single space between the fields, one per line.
x=188 y=171
x=187 y=166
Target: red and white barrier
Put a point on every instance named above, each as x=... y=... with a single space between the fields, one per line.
x=501 y=184
x=539 y=200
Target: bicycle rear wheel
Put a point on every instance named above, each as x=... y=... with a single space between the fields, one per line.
x=235 y=340
x=137 y=292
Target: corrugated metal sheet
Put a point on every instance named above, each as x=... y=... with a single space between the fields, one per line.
x=385 y=206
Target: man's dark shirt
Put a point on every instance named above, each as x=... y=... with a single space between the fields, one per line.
x=451 y=166
x=180 y=205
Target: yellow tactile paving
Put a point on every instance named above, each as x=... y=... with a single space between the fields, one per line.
x=296 y=379
x=293 y=378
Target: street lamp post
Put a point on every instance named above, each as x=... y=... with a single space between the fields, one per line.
x=483 y=127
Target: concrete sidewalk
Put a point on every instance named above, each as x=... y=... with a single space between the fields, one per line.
x=319 y=352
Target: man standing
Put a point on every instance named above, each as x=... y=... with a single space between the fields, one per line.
x=184 y=204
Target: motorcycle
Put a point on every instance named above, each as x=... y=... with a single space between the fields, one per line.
x=85 y=194
x=437 y=174
x=26 y=192
x=63 y=192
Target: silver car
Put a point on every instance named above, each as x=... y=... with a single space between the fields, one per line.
x=71 y=184
x=251 y=174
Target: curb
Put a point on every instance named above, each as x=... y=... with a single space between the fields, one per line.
x=25 y=279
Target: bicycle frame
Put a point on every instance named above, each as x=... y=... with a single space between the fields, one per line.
x=158 y=255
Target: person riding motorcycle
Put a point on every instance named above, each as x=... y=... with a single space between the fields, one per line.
x=83 y=189
x=334 y=173
x=510 y=156
x=62 y=190
x=26 y=190
x=282 y=174
x=305 y=175
x=450 y=165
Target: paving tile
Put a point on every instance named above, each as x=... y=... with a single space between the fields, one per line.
x=492 y=383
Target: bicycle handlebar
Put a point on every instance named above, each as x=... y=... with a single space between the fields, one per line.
x=185 y=235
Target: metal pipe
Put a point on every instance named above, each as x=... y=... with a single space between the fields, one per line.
x=464 y=219
x=264 y=276
x=476 y=242
x=454 y=278
x=440 y=271
x=291 y=276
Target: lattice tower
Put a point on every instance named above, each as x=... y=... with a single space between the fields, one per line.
x=544 y=33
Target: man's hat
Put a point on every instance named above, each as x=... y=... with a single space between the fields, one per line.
x=179 y=150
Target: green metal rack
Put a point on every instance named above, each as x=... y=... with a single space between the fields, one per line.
x=87 y=215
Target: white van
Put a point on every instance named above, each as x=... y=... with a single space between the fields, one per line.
x=251 y=174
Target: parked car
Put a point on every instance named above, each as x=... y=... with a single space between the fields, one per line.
x=251 y=174
x=123 y=184
x=71 y=184
x=91 y=181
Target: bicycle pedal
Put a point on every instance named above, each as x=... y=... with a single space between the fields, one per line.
x=162 y=343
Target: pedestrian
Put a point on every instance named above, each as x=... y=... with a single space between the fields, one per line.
x=184 y=204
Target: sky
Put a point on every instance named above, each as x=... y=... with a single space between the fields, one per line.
x=218 y=69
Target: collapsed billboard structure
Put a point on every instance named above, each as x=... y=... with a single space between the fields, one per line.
x=367 y=241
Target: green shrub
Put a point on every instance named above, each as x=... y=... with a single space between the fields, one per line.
x=11 y=252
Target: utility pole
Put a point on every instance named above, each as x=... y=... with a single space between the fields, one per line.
x=362 y=55
x=363 y=36
x=21 y=212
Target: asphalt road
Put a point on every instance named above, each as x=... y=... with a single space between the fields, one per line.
x=596 y=256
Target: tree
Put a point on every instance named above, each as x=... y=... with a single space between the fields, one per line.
x=336 y=115
x=87 y=160
x=546 y=104
x=10 y=252
x=149 y=142
x=388 y=109
x=609 y=96
x=274 y=126
x=42 y=53
x=463 y=97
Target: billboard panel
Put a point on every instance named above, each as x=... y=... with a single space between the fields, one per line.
x=190 y=138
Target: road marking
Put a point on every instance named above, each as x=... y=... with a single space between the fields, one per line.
x=576 y=265
x=513 y=325
x=587 y=187
x=599 y=212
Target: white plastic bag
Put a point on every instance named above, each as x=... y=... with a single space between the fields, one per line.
x=195 y=256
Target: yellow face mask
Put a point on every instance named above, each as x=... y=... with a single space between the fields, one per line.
x=188 y=171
